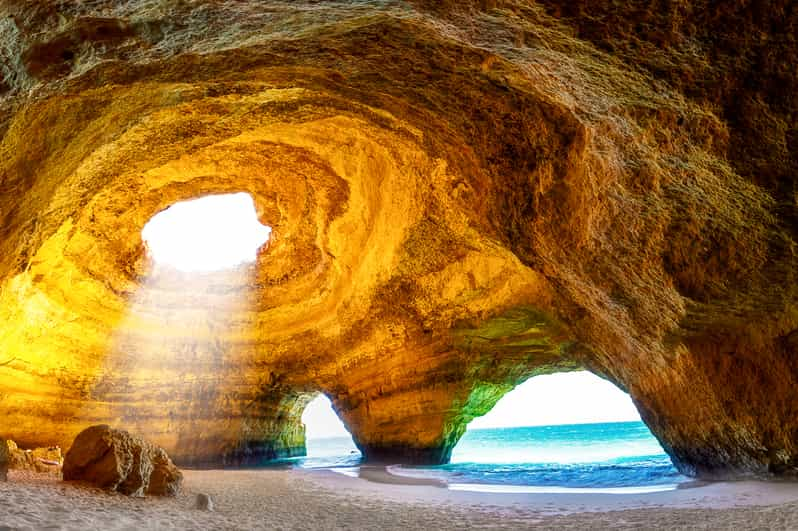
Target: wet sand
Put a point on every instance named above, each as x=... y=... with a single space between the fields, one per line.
x=322 y=499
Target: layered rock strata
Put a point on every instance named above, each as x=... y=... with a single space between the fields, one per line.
x=462 y=194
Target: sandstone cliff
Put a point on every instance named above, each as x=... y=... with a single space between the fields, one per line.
x=463 y=195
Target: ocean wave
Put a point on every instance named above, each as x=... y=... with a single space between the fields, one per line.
x=593 y=456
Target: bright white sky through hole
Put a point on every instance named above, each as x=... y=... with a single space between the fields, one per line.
x=563 y=398
x=206 y=234
x=321 y=421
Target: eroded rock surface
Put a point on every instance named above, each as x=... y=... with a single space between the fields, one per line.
x=5 y=459
x=42 y=460
x=115 y=460
x=462 y=195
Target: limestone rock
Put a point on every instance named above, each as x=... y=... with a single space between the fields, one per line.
x=463 y=195
x=115 y=460
x=204 y=502
x=42 y=460
x=165 y=479
x=4 y=460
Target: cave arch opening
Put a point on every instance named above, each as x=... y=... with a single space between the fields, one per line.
x=327 y=438
x=205 y=234
x=571 y=430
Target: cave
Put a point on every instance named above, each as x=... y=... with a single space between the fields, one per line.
x=461 y=196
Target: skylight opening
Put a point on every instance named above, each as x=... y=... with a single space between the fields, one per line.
x=207 y=234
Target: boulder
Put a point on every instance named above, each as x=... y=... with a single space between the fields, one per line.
x=118 y=461
x=165 y=479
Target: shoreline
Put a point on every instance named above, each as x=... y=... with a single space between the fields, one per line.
x=311 y=499
x=701 y=495
x=401 y=474
x=387 y=474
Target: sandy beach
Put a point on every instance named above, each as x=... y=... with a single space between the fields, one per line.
x=322 y=499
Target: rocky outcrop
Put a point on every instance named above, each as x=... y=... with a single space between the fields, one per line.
x=5 y=459
x=42 y=460
x=462 y=194
x=115 y=460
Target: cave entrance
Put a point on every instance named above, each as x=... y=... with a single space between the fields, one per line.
x=210 y=233
x=327 y=440
x=566 y=430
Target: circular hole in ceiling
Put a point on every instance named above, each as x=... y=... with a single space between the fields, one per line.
x=206 y=234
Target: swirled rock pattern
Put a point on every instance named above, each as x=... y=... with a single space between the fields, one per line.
x=462 y=195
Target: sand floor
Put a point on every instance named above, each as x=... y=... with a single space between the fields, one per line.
x=310 y=499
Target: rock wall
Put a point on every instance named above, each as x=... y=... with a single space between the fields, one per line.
x=462 y=195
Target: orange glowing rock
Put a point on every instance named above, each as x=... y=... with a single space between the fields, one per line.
x=462 y=195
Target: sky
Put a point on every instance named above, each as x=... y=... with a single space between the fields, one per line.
x=221 y=231
x=321 y=421
x=563 y=398
x=210 y=233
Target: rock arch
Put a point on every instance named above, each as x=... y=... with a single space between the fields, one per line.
x=461 y=196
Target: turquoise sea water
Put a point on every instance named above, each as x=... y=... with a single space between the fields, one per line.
x=593 y=456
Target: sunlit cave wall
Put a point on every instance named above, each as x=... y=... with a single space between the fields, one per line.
x=462 y=195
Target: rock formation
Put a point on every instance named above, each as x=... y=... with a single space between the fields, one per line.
x=462 y=194
x=115 y=460
x=5 y=459
x=44 y=460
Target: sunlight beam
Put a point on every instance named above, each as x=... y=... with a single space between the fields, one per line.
x=184 y=318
